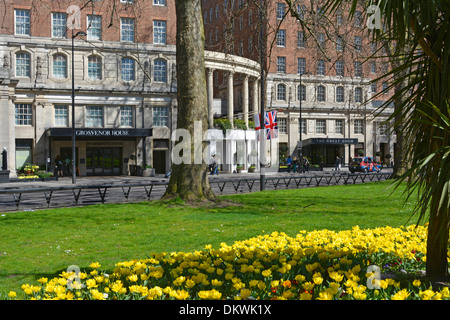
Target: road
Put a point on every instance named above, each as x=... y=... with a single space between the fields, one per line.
x=94 y=190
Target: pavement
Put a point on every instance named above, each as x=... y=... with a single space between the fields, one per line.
x=111 y=180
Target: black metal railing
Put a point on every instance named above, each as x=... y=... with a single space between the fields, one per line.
x=11 y=199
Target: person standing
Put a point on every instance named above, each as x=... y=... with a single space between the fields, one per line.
x=289 y=163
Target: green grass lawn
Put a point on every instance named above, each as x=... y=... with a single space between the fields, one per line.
x=42 y=243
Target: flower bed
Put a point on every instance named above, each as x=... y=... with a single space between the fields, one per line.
x=318 y=265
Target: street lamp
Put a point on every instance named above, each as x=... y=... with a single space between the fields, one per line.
x=300 y=143
x=74 y=175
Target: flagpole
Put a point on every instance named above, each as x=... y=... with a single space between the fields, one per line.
x=262 y=156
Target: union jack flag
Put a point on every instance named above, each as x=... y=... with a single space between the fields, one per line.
x=270 y=124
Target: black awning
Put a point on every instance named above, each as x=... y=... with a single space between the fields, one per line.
x=339 y=141
x=99 y=133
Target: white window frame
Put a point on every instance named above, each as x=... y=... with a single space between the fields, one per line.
x=22 y=22
x=95 y=117
x=23 y=114
x=61 y=115
x=159 y=32
x=127 y=29
x=59 y=25
x=94 y=27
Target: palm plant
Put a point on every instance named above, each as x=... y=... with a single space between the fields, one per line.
x=418 y=32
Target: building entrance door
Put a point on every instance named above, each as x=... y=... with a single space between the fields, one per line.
x=104 y=161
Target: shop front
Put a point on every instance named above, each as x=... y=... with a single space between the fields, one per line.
x=99 y=152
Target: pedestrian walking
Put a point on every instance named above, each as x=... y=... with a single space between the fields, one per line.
x=337 y=164
x=59 y=166
x=305 y=165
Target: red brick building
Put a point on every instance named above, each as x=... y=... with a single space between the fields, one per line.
x=324 y=66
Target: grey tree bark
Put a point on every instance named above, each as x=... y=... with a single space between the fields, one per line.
x=189 y=180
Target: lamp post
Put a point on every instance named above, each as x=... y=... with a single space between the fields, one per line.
x=74 y=175
x=300 y=142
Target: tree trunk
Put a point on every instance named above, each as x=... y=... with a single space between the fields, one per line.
x=437 y=247
x=189 y=179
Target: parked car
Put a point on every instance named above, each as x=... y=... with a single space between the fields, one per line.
x=364 y=164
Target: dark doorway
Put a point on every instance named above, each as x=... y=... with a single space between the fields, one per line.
x=104 y=161
x=159 y=161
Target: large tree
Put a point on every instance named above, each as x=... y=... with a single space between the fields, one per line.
x=189 y=179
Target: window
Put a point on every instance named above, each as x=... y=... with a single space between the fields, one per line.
x=340 y=94
x=281 y=92
x=160 y=70
x=358 y=43
x=321 y=39
x=358 y=69
x=59 y=66
x=358 y=94
x=340 y=68
x=373 y=67
x=302 y=126
x=282 y=125
x=159 y=32
x=281 y=10
x=339 y=18
x=22 y=22
x=127 y=29
x=94 y=116
x=59 y=25
x=61 y=119
x=320 y=93
x=160 y=117
x=300 y=39
x=373 y=47
x=159 y=2
x=281 y=38
x=301 y=9
x=301 y=65
x=358 y=19
x=23 y=114
x=94 y=67
x=320 y=126
x=281 y=64
x=358 y=126
x=321 y=67
x=301 y=93
x=339 y=126
x=126 y=116
x=23 y=64
x=128 y=69
x=385 y=87
x=373 y=87
x=339 y=43
x=217 y=11
x=94 y=29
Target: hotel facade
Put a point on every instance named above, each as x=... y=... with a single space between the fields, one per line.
x=318 y=79
x=123 y=67
x=123 y=73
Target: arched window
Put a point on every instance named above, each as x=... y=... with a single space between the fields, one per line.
x=95 y=67
x=23 y=64
x=160 y=70
x=281 y=92
x=340 y=94
x=321 y=93
x=128 y=69
x=59 y=66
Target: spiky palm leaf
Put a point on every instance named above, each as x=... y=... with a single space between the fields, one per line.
x=421 y=31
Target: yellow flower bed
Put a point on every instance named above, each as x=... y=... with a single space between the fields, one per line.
x=319 y=265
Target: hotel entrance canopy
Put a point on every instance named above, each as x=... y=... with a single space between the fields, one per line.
x=99 y=133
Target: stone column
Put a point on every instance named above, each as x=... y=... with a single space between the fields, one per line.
x=255 y=95
x=245 y=100
x=230 y=97
x=210 y=97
